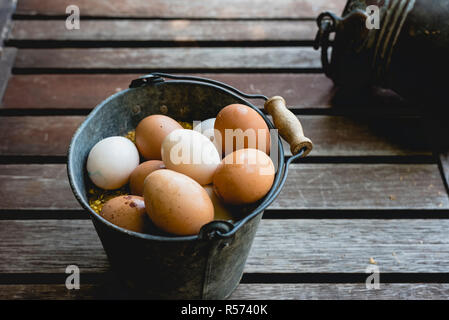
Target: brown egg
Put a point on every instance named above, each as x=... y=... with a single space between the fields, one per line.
x=127 y=212
x=141 y=172
x=150 y=133
x=239 y=116
x=244 y=177
x=176 y=203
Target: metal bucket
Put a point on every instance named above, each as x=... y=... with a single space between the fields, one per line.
x=204 y=266
x=408 y=53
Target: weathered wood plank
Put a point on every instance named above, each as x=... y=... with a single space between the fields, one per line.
x=280 y=246
x=36 y=187
x=177 y=8
x=37 y=136
x=46 y=246
x=331 y=291
x=333 y=136
x=347 y=246
x=80 y=91
x=7 y=57
x=308 y=187
x=313 y=92
x=354 y=186
x=364 y=136
x=164 y=30
x=288 y=58
x=321 y=291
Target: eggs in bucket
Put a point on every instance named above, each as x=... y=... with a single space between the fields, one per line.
x=175 y=178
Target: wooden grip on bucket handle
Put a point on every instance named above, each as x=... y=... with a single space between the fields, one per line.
x=288 y=125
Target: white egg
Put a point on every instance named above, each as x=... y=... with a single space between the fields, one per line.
x=220 y=211
x=111 y=161
x=190 y=153
x=206 y=127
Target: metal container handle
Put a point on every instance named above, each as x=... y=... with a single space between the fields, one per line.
x=156 y=77
x=285 y=121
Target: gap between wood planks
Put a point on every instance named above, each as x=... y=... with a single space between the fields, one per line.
x=336 y=214
x=52 y=44
x=42 y=17
x=50 y=279
x=405 y=159
x=321 y=291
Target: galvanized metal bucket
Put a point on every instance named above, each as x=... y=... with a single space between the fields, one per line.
x=204 y=266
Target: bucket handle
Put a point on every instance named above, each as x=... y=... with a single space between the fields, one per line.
x=285 y=121
x=157 y=77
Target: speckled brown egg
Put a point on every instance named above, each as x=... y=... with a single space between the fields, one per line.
x=176 y=203
x=150 y=133
x=239 y=116
x=127 y=212
x=139 y=174
x=244 y=176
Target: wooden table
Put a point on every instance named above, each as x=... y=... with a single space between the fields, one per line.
x=372 y=193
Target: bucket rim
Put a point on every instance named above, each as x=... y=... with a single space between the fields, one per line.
x=278 y=182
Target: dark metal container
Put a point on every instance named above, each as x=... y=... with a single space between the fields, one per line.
x=408 y=54
x=204 y=266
